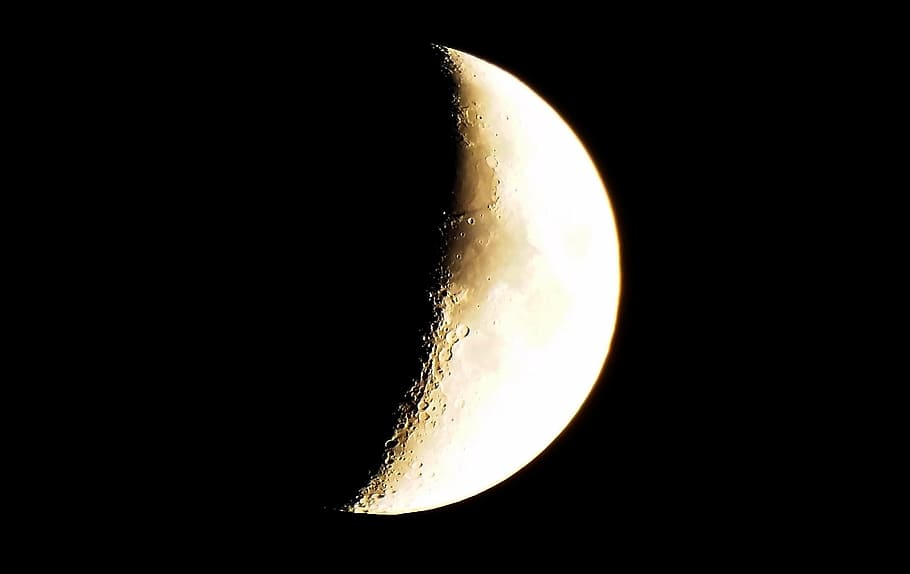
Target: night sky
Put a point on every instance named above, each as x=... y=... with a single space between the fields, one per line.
x=277 y=202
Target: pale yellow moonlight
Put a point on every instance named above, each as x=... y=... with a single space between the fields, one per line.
x=526 y=308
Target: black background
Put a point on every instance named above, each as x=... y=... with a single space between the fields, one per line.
x=267 y=205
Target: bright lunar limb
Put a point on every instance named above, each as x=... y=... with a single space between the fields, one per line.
x=526 y=308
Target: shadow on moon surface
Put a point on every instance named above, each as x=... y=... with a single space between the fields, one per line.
x=291 y=242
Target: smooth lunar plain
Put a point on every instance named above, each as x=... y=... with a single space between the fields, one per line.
x=526 y=307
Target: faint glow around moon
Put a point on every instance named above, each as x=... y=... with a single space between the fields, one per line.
x=526 y=308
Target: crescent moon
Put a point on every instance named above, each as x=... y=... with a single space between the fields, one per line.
x=526 y=307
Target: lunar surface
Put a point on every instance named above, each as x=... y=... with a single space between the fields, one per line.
x=526 y=304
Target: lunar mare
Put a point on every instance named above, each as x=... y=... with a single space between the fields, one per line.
x=526 y=306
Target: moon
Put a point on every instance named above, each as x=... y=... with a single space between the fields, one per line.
x=526 y=305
